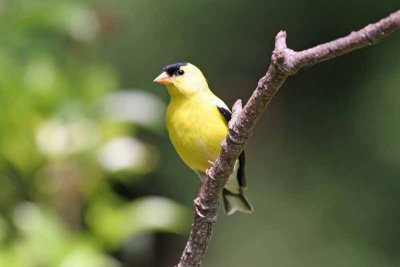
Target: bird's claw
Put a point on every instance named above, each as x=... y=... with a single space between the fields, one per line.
x=197 y=201
x=209 y=175
x=200 y=208
x=199 y=213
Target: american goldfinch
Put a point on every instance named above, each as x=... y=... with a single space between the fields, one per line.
x=197 y=122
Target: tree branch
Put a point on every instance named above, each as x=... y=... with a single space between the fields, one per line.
x=284 y=62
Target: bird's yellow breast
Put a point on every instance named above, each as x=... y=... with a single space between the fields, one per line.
x=196 y=129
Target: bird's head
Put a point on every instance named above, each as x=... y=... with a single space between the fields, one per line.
x=182 y=79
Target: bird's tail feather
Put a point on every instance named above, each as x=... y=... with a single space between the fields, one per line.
x=235 y=202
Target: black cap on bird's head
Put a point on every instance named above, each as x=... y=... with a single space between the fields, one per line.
x=172 y=69
x=183 y=77
x=169 y=71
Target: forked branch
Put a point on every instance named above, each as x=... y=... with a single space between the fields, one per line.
x=284 y=62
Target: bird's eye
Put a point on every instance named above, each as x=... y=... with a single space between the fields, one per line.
x=180 y=72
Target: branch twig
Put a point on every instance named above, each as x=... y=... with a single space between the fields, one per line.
x=284 y=63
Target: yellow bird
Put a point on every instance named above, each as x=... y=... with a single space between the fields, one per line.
x=197 y=122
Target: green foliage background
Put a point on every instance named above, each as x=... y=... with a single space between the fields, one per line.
x=89 y=178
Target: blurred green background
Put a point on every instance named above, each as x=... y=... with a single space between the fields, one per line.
x=88 y=177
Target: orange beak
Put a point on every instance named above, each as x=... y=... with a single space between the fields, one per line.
x=163 y=78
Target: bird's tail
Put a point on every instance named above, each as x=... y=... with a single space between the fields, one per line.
x=235 y=202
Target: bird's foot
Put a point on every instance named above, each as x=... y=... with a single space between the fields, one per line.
x=201 y=210
x=209 y=174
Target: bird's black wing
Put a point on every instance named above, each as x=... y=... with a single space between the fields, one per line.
x=225 y=112
x=241 y=175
